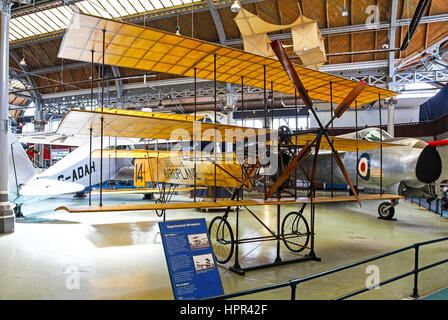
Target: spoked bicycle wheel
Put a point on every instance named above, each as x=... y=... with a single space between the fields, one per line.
x=295 y=231
x=221 y=237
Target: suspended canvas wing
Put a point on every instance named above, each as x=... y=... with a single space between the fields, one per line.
x=134 y=46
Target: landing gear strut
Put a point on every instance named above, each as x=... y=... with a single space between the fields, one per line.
x=18 y=211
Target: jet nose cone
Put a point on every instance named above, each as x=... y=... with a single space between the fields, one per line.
x=429 y=165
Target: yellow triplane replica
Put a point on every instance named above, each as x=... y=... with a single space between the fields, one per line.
x=256 y=160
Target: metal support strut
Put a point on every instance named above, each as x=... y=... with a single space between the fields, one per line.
x=6 y=211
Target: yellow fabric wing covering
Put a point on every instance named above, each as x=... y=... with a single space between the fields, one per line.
x=181 y=171
x=133 y=46
x=79 y=122
x=159 y=115
x=341 y=144
x=148 y=154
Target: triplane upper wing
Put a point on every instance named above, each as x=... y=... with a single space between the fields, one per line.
x=133 y=46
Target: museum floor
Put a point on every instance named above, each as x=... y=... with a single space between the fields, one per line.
x=120 y=256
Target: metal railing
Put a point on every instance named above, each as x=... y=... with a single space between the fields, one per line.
x=434 y=206
x=292 y=284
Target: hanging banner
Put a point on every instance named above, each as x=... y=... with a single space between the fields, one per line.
x=191 y=263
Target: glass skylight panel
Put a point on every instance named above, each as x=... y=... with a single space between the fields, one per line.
x=166 y=3
x=99 y=8
x=138 y=6
x=12 y=35
x=82 y=5
x=93 y=9
x=60 y=16
x=129 y=6
x=19 y=30
x=56 y=19
x=16 y=84
x=157 y=4
x=147 y=4
x=24 y=22
x=25 y=28
x=64 y=13
x=109 y=8
x=117 y=6
x=42 y=21
x=35 y=21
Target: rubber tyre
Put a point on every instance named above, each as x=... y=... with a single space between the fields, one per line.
x=223 y=248
x=386 y=214
x=296 y=219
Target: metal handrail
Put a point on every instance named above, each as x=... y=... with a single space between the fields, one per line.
x=294 y=283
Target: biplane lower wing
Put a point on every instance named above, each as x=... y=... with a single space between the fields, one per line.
x=341 y=144
x=224 y=203
x=144 y=190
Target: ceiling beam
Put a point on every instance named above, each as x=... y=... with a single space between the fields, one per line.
x=31 y=81
x=392 y=33
x=354 y=28
x=231 y=42
x=217 y=21
x=59 y=68
x=419 y=11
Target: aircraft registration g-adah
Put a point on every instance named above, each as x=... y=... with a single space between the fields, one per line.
x=408 y=168
x=71 y=174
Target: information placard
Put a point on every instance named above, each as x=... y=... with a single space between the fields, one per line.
x=191 y=263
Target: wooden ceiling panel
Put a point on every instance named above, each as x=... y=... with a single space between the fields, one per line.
x=44 y=54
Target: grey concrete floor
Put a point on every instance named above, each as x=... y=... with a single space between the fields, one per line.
x=120 y=256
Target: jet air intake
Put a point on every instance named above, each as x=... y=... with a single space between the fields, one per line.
x=429 y=165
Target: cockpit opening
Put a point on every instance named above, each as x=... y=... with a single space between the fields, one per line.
x=374 y=134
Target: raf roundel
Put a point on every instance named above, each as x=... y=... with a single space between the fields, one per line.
x=364 y=166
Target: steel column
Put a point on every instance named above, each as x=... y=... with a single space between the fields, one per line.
x=6 y=212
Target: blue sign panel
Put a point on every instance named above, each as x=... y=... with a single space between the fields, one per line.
x=191 y=263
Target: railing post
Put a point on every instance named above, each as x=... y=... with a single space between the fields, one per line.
x=293 y=290
x=415 y=290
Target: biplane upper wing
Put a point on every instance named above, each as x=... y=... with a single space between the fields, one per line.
x=341 y=144
x=53 y=139
x=134 y=46
x=148 y=154
x=130 y=124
